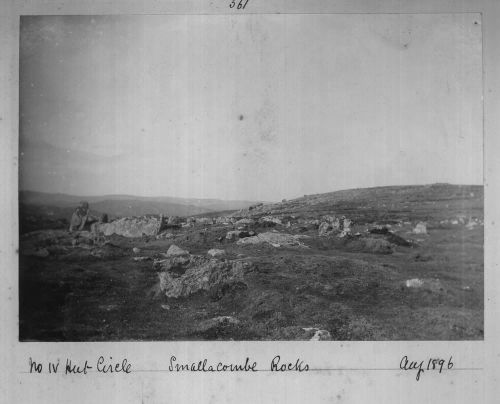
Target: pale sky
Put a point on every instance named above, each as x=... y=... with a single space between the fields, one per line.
x=254 y=107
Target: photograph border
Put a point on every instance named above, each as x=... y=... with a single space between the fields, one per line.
x=348 y=370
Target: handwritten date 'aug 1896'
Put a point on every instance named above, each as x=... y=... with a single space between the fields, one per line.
x=420 y=367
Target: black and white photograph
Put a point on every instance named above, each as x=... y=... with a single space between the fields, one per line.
x=271 y=177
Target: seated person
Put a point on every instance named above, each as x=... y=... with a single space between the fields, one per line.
x=80 y=217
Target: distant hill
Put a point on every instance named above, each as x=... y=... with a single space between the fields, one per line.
x=41 y=210
x=163 y=203
x=408 y=202
x=399 y=194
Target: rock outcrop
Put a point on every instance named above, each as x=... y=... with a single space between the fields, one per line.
x=275 y=239
x=183 y=276
x=331 y=225
x=132 y=227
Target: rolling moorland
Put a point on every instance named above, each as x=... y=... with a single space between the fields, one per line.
x=387 y=263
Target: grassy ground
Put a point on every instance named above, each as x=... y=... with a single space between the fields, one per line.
x=354 y=293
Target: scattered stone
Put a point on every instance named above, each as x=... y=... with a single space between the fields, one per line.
x=332 y=225
x=175 y=251
x=270 y=219
x=223 y=220
x=344 y=233
x=324 y=229
x=420 y=228
x=174 y=220
x=136 y=250
x=328 y=218
x=140 y=259
x=247 y=222
x=165 y=307
x=164 y=236
x=346 y=225
x=321 y=335
x=313 y=222
x=414 y=283
x=233 y=234
x=214 y=252
x=470 y=225
x=433 y=285
x=58 y=242
x=275 y=239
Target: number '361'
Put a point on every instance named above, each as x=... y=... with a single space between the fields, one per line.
x=241 y=5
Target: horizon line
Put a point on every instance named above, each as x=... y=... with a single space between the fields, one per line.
x=243 y=200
